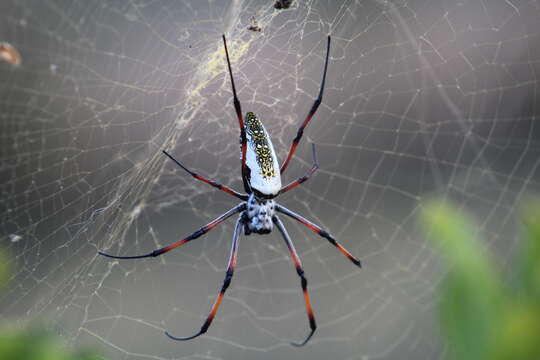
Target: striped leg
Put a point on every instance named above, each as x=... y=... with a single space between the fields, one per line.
x=300 y=271
x=208 y=181
x=193 y=236
x=228 y=276
x=319 y=231
x=306 y=176
x=238 y=108
x=312 y=111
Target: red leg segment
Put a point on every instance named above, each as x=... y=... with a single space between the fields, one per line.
x=228 y=276
x=193 y=236
x=208 y=181
x=312 y=111
x=238 y=108
x=319 y=231
x=300 y=271
x=305 y=177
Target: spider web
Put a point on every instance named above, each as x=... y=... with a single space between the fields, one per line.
x=422 y=98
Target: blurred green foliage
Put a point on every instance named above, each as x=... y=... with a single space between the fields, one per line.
x=33 y=343
x=481 y=316
x=38 y=344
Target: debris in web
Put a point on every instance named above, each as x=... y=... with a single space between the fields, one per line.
x=283 y=4
x=9 y=54
x=14 y=238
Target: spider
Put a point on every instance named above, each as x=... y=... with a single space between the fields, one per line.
x=254 y=26
x=261 y=177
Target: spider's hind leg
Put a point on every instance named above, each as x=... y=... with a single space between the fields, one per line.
x=306 y=176
x=312 y=111
x=206 y=180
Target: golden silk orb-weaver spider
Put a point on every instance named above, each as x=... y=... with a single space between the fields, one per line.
x=261 y=176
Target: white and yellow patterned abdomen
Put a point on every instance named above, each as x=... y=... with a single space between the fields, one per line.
x=261 y=158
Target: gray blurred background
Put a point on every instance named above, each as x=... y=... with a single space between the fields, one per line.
x=423 y=98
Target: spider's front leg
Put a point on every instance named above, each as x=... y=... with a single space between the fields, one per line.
x=228 y=277
x=303 y=280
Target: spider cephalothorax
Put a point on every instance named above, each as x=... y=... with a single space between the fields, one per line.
x=261 y=176
x=258 y=215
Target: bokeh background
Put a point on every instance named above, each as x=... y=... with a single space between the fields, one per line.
x=423 y=98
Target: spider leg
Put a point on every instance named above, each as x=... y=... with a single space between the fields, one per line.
x=238 y=108
x=300 y=272
x=306 y=176
x=312 y=111
x=193 y=236
x=320 y=231
x=208 y=181
x=228 y=276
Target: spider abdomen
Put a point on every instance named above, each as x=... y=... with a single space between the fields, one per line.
x=261 y=158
